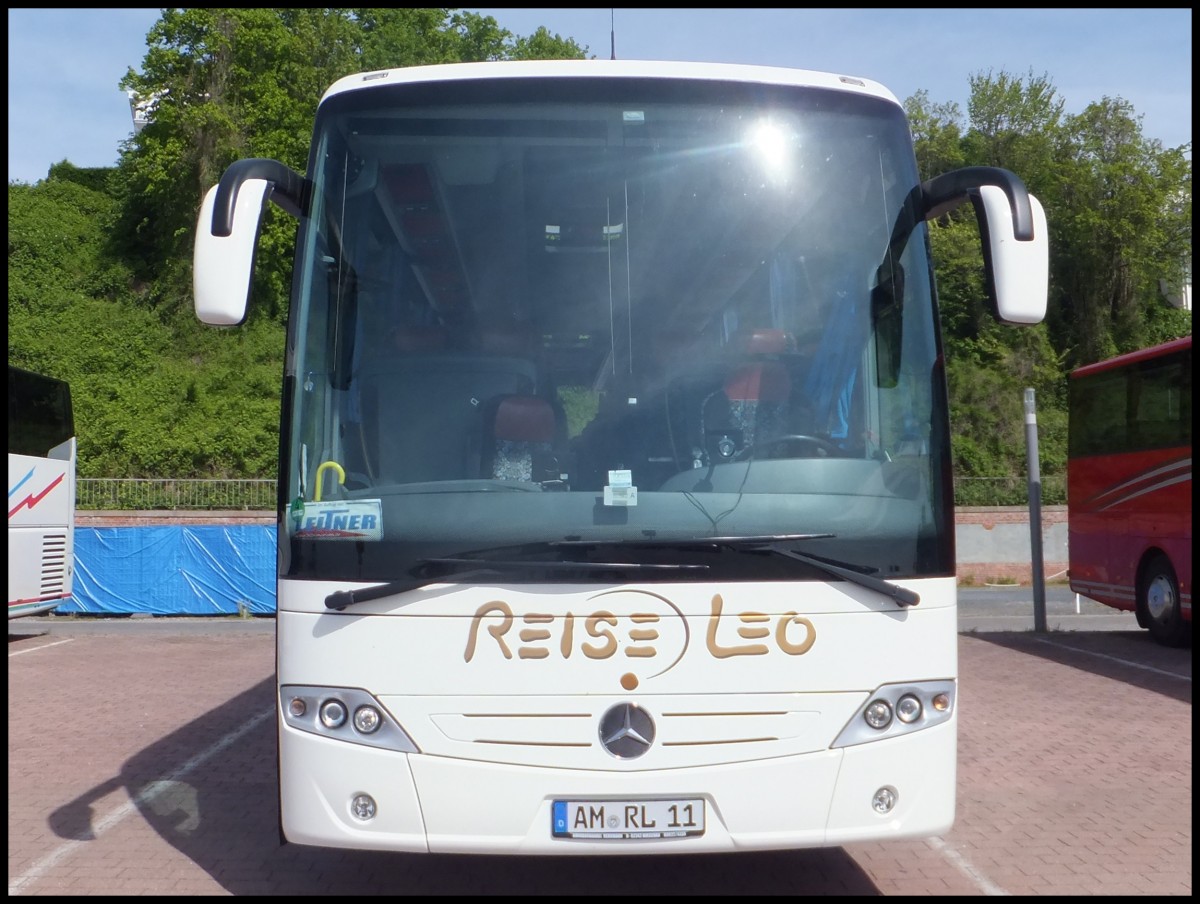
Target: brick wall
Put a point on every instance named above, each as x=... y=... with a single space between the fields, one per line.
x=994 y=545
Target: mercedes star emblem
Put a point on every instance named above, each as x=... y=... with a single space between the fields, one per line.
x=626 y=731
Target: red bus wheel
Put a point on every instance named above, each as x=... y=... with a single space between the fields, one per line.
x=1158 y=598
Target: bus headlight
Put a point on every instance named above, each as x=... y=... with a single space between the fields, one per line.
x=333 y=714
x=878 y=714
x=367 y=719
x=897 y=709
x=326 y=711
x=908 y=709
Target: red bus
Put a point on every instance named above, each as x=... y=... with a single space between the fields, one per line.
x=1129 y=486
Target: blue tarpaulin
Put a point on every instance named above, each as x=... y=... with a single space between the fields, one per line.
x=174 y=570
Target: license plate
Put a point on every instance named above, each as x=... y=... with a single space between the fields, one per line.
x=618 y=820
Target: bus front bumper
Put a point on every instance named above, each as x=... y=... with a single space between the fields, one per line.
x=441 y=804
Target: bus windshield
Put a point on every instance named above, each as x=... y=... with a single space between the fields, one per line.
x=612 y=310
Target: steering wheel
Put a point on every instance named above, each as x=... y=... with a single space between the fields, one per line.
x=818 y=448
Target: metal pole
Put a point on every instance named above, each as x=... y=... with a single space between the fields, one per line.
x=1035 y=513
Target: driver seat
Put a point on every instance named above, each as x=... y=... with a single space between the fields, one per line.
x=520 y=432
x=755 y=394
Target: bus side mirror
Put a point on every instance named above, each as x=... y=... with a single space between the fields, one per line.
x=1017 y=270
x=1012 y=227
x=227 y=234
x=223 y=265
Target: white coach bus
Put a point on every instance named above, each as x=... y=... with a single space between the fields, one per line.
x=41 y=493
x=615 y=506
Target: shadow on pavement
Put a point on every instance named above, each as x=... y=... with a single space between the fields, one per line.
x=209 y=789
x=1128 y=656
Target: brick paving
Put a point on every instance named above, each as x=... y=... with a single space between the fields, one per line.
x=142 y=762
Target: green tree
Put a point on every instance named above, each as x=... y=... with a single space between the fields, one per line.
x=937 y=134
x=1122 y=224
x=541 y=45
x=1014 y=123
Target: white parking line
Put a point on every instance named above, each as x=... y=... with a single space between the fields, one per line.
x=146 y=796
x=964 y=866
x=42 y=647
x=1132 y=665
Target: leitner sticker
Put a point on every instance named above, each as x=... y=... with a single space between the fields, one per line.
x=342 y=519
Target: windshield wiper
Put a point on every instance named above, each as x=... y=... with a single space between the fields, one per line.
x=459 y=571
x=773 y=543
x=900 y=595
x=340 y=599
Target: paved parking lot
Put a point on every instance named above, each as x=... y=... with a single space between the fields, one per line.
x=142 y=761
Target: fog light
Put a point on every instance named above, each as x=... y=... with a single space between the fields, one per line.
x=333 y=714
x=367 y=719
x=297 y=707
x=884 y=800
x=878 y=714
x=908 y=709
x=362 y=806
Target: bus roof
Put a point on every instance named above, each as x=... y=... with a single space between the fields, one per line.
x=1142 y=354
x=773 y=75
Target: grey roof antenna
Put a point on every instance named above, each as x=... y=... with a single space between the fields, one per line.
x=612 y=34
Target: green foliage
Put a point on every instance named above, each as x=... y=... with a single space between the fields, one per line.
x=580 y=405
x=1014 y=123
x=937 y=134
x=97 y=178
x=154 y=396
x=541 y=45
x=1123 y=223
